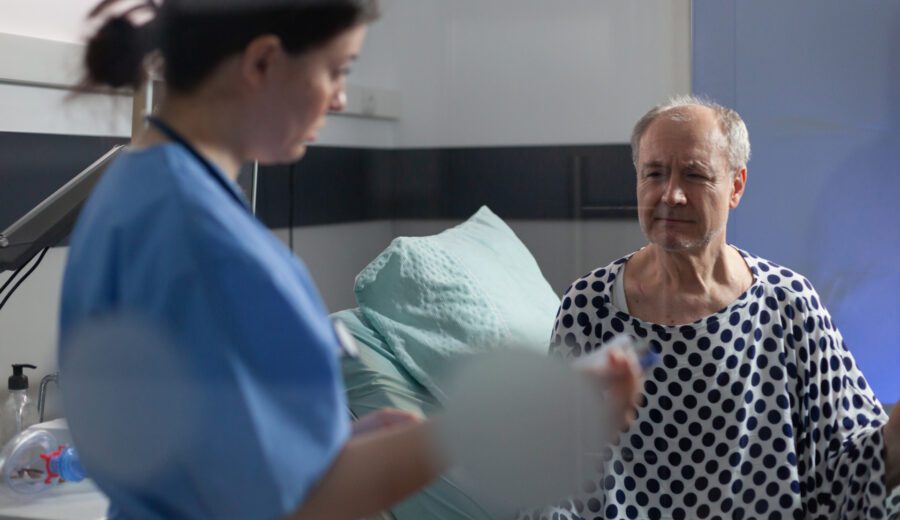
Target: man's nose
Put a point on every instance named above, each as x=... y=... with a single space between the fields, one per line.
x=674 y=194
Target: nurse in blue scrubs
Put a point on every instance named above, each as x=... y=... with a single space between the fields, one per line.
x=168 y=237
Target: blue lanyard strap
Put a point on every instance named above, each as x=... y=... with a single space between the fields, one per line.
x=213 y=172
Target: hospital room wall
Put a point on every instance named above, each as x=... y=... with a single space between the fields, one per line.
x=520 y=73
x=532 y=72
x=460 y=86
x=818 y=84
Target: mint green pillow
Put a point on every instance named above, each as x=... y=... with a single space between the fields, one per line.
x=376 y=380
x=471 y=289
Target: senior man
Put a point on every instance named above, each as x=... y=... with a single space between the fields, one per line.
x=757 y=409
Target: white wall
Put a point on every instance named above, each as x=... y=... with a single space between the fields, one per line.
x=38 y=109
x=28 y=325
x=335 y=254
x=59 y=20
x=52 y=111
x=410 y=46
x=525 y=72
x=470 y=73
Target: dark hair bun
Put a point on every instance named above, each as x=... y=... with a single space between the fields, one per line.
x=115 y=55
x=193 y=42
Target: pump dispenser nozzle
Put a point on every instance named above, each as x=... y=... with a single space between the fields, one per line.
x=18 y=411
x=19 y=381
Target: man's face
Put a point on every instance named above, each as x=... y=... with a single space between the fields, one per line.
x=685 y=185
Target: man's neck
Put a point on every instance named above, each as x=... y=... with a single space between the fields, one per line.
x=675 y=288
x=696 y=271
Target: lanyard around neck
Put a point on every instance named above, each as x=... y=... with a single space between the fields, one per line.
x=211 y=169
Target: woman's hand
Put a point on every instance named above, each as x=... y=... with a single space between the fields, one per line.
x=390 y=456
x=384 y=419
x=892 y=450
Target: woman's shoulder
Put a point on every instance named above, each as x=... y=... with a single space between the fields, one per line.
x=141 y=186
x=161 y=201
x=131 y=195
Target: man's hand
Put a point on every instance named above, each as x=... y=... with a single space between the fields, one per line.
x=384 y=419
x=892 y=450
x=620 y=377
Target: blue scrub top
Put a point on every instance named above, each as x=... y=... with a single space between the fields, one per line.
x=160 y=239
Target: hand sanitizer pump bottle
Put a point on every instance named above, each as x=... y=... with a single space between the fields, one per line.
x=19 y=411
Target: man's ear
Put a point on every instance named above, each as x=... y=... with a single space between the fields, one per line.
x=259 y=58
x=737 y=187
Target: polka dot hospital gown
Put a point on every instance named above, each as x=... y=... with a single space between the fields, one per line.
x=757 y=411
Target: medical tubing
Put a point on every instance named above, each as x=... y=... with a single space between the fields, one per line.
x=27 y=274
x=13 y=277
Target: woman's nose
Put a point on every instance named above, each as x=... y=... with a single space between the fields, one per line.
x=339 y=101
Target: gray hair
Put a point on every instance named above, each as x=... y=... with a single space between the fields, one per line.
x=737 y=139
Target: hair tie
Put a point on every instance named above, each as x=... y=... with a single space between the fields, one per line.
x=153 y=5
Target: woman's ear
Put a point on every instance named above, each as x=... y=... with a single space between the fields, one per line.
x=259 y=59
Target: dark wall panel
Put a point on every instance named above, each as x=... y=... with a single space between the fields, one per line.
x=273 y=195
x=532 y=183
x=334 y=185
x=33 y=166
x=330 y=185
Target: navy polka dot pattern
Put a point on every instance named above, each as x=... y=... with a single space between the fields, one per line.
x=894 y=504
x=757 y=411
